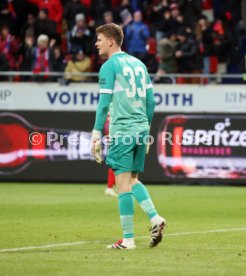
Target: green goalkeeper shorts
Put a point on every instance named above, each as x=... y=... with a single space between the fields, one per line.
x=127 y=153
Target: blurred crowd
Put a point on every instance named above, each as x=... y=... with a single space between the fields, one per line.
x=169 y=36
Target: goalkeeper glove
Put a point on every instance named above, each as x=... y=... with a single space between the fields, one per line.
x=148 y=143
x=97 y=146
x=147 y=147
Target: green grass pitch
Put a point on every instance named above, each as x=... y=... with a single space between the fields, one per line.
x=76 y=222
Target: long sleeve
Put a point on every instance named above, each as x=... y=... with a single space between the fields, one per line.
x=150 y=104
x=150 y=100
x=102 y=111
x=106 y=86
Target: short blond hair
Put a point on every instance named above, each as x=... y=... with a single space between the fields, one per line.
x=42 y=37
x=111 y=30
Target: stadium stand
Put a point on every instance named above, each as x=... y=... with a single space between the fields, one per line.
x=209 y=33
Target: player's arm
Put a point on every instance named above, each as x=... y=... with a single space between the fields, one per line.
x=102 y=111
x=150 y=101
x=150 y=105
x=106 y=85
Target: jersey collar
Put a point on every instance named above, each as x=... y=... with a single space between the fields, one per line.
x=116 y=53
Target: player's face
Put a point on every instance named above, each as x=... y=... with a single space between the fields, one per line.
x=102 y=44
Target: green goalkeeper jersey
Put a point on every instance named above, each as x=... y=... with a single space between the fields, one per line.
x=127 y=79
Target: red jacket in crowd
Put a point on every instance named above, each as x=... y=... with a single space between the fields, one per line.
x=54 y=8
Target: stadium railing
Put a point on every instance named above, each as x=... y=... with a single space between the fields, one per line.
x=17 y=76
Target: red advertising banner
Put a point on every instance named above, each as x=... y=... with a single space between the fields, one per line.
x=56 y=146
x=203 y=146
x=22 y=143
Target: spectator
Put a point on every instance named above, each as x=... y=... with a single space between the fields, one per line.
x=123 y=13
x=20 y=10
x=108 y=17
x=9 y=46
x=87 y=3
x=80 y=64
x=207 y=4
x=233 y=15
x=25 y=58
x=159 y=7
x=177 y=20
x=163 y=25
x=222 y=41
x=44 y=25
x=219 y=43
x=72 y=8
x=137 y=5
x=204 y=36
x=232 y=10
x=158 y=17
x=28 y=27
x=42 y=57
x=80 y=36
x=54 y=9
x=191 y=11
x=136 y=37
x=207 y=9
x=167 y=63
x=98 y=8
x=58 y=62
x=7 y=13
x=187 y=55
x=4 y=66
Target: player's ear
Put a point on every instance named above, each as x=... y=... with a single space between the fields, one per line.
x=110 y=42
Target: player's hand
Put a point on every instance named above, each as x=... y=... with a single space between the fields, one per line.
x=147 y=145
x=96 y=149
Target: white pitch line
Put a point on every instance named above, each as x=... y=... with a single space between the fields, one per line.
x=200 y=232
x=98 y=241
x=42 y=246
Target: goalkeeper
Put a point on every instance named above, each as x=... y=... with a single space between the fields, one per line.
x=126 y=92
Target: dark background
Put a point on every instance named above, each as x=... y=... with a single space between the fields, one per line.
x=86 y=170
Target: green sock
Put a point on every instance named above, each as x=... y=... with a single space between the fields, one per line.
x=126 y=208
x=143 y=198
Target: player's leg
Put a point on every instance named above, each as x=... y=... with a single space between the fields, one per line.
x=111 y=178
x=110 y=183
x=142 y=196
x=126 y=210
x=120 y=158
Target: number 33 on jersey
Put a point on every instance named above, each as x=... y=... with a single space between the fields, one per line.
x=127 y=79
